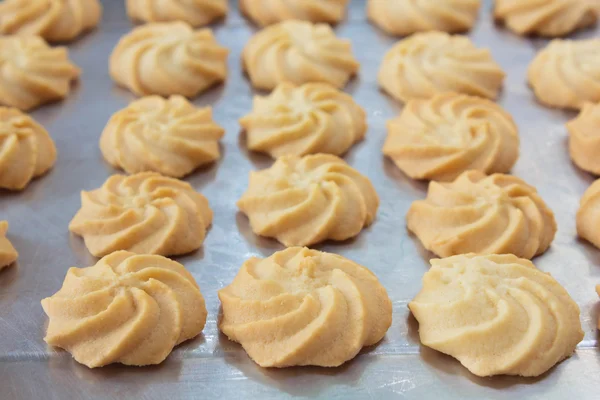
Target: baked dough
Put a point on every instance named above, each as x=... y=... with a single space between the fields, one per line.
x=584 y=138
x=8 y=254
x=496 y=314
x=194 y=12
x=566 y=74
x=26 y=149
x=305 y=200
x=442 y=137
x=496 y=214
x=312 y=118
x=426 y=64
x=298 y=52
x=304 y=307
x=588 y=216
x=267 y=12
x=168 y=58
x=128 y=308
x=404 y=17
x=145 y=213
x=548 y=18
x=32 y=73
x=54 y=20
x=169 y=136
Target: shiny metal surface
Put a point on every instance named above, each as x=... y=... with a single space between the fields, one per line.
x=211 y=366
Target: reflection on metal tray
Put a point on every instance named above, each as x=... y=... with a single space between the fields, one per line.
x=211 y=366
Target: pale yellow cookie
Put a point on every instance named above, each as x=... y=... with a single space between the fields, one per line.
x=405 y=17
x=588 y=215
x=169 y=136
x=26 y=149
x=496 y=314
x=426 y=64
x=298 y=52
x=584 y=138
x=194 y=12
x=548 y=18
x=267 y=12
x=8 y=254
x=496 y=214
x=168 y=58
x=566 y=74
x=54 y=20
x=304 y=307
x=305 y=200
x=145 y=213
x=128 y=308
x=308 y=119
x=439 y=138
x=32 y=73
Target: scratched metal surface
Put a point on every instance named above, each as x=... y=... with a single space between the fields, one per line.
x=211 y=365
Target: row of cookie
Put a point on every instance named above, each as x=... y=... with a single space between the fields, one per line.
x=496 y=314
x=60 y=20
x=172 y=58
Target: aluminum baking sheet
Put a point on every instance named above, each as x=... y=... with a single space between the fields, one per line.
x=211 y=366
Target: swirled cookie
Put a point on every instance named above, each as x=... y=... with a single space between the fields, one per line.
x=584 y=138
x=169 y=136
x=443 y=136
x=54 y=20
x=128 y=308
x=298 y=52
x=426 y=64
x=548 y=18
x=588 y=215
x=312 y=118
x=305 y=200
x=194 y=12
x=404 y=17
x=496 y=314
x=8 y=254
x=32 y=73
x=267 y=12
x=304 y=307
x=566 y=74
x=168 y=58
x=496 y=214
x=26 y=149
x=145 y=213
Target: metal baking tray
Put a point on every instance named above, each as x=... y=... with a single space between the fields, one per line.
x=212 y=367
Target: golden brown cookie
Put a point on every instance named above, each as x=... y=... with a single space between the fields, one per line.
x=439 y=138
x=54 y=20
x=169 y=136
x=548 y=18
x=496 y=214
x=566 y=74
x=8 y=254
x=307 y=119
x=26 y=149
x=145 y=213
x=426 y=64
x=584 y=138
x=128 y=308
x=298 y=52
x=588 y=215
x=305 y=200
x=405 y=17
x=496 y=314
x=194 y=12
x=267 y=12
x=304 y=307
x=32 y=73
x=168 y=58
